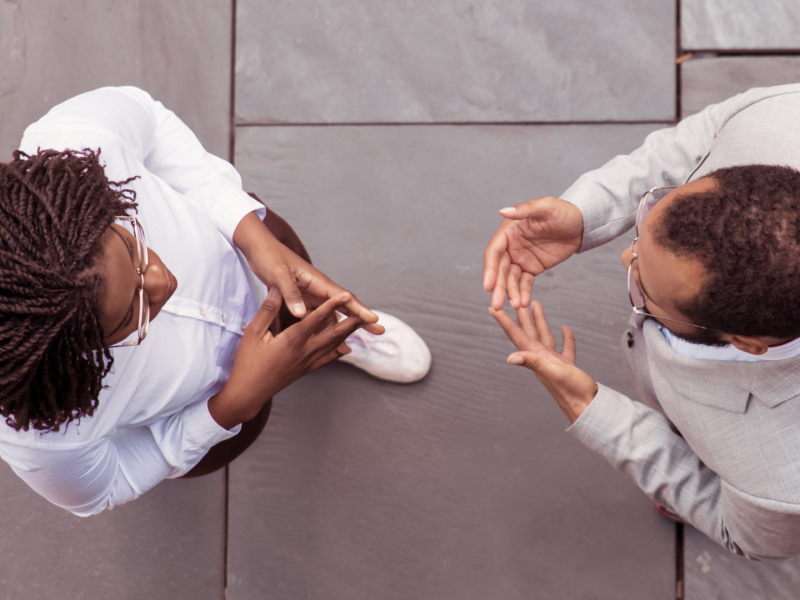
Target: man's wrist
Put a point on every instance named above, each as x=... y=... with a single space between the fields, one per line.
x=577 y=406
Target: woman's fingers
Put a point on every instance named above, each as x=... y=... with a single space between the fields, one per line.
x=266 y=313
x=541 y=326
x=318 y=284
x=324 y=314
x=499 y=291
x=513 y=331
x=512 y=286
x=284 y=281
x=326 y=358
x=355 y=308
x=568 y=351
x=334 y=336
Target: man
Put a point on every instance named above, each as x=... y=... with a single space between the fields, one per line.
x=714 y=348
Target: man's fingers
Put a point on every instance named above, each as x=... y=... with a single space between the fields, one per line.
x=291 y=293
x=569 y=350
x=542 y=328
x=514 y=274
x=266 y=313
x=537 y=208
x=499 y=292
x=491 y=258
x=526 y=322
x=529 y=360
x=525 y=287
x=513 y=331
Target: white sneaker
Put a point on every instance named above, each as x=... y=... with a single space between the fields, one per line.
x=399 y=355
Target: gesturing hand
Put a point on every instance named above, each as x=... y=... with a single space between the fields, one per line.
x=302 y=285
x=536 y=236
x=264 y=365
x=572 y=389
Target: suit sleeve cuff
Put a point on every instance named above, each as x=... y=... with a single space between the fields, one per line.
x=602 y=421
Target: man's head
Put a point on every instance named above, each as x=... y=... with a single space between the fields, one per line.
x=54 y=209
x=724 y=252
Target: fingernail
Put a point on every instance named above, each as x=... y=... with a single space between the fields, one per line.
x=510 y=209
x=515 y=360
x=298 y=309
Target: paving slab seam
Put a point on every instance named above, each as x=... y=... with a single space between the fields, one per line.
x=667 y=123
x=232 y=108
x=746 y=51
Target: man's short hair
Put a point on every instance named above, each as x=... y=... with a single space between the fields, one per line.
x=746 y=232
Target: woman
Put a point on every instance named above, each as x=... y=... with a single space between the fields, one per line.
x=176 y=252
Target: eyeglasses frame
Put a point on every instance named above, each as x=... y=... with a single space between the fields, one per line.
x=631 y=280
x=144 y=301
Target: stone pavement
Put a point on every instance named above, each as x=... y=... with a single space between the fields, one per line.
x=388 y=135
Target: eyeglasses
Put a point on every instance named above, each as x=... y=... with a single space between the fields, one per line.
x=144 y=301
x=637 y=297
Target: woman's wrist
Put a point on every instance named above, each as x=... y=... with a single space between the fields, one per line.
x=230 y=410
x=251 y=235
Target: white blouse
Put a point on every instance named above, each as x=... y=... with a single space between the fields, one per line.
x=152 y=421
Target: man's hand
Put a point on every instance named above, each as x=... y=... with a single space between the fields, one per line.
x=264 y=365
x=572 y=389
x=537 y=236
x=301 y=284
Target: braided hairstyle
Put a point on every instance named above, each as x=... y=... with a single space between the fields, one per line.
x=54 y=207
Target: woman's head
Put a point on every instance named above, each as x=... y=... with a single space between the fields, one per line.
x=54 y=209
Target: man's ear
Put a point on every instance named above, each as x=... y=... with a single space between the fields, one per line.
x=749 y=343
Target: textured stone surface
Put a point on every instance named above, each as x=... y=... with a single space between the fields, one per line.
x=463 y=486
x=707 y=81
x=740 y=24
x=179 y=51
x=713 y=573
x=167 y=545
x=315 y=61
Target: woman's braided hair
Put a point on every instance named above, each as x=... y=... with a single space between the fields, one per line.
x=54 y=207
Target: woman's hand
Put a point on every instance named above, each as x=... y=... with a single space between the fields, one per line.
x=536 y=236
x=264 y=365
x=572 y=389
x=301 y=284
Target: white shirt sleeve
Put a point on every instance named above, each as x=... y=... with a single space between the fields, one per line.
x=89 y=478
x=157 y=138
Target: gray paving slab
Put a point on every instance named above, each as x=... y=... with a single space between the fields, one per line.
x=305 y=61
x=707 y=81
x=713 y=573
x=179 y=51
x=740 y=24
x=462 y=486
x=166 y=545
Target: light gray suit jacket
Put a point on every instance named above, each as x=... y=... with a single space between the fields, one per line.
x=735 y=473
